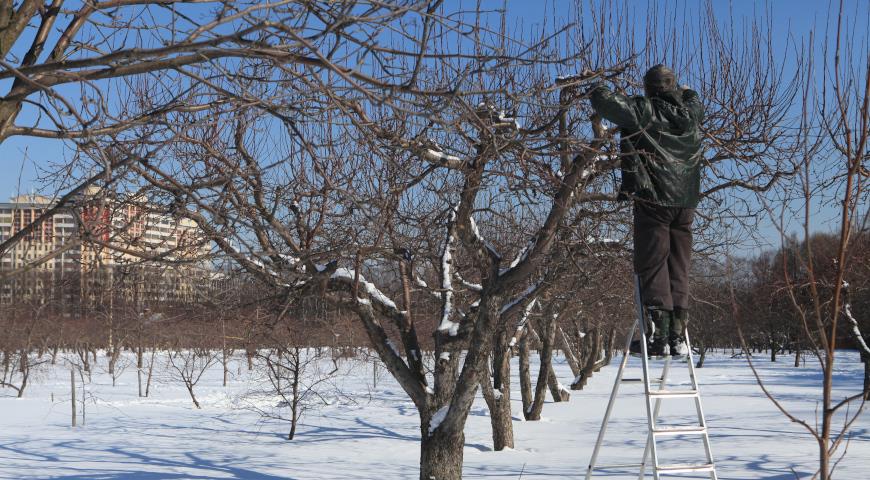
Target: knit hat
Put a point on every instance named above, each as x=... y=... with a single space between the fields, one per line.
x=659 y=79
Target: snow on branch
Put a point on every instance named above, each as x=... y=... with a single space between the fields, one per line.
x=503 y=120
x=428 y=150
x=523 y=321
x=433 y=153
x=252 y=260
x=479 y=238
x=447 y=325
x=522 y=254
x=602 y=241
x=497 y=119
x=528 y=311
x=422 y=284
x=348 y=275
x=441 y=158
x=859 y=339
x=439 y=417
x=392 y=346
x=474 y=287
x=521 y=298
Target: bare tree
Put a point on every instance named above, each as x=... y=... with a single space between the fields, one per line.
x=388 y=190
x=24 y=323
x=836 y=115
x=298 y=378
x=188 y=365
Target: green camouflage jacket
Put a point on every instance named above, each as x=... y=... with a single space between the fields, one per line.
x=661 y=149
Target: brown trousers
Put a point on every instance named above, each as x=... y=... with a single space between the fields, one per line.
x=662 y=254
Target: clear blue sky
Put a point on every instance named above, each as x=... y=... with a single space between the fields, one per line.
x=24 y=158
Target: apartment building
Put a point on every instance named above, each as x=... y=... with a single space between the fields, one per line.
x=98 y=244
x=47 y=239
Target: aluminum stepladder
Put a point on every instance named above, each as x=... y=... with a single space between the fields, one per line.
x=652 y=411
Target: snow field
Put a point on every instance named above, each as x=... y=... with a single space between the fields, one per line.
x=368 y=432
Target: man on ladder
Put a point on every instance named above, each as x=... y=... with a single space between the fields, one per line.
x=661 y=163
x=661 y=171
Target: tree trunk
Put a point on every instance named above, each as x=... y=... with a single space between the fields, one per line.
x=797 y=359
x=608 y=352
x=192 y=396
x=72 y=383
x=548 y=331
x=599 y=357
x=500 y=409
x=565 y=345
x=590 y=366
x=25 y=372
x=224 y=358
x=824 y=459
x=557 y=390
x=113 y=360
x=441 y=455
x=866 y=377
x=150 y=372
x=292 y=428
x=295 y=389
x=701 y=356
x=294 y=416
x=570 y=357
x=250 y=353
x=525 y=375
x=225 y=362
x=110 y=351
x=139 y=364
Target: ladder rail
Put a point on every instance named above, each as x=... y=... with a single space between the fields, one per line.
x=650 y=415
x=610 y=403
x=702 y=419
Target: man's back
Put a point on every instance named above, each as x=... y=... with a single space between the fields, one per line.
x=661 y=169
x=661 y=143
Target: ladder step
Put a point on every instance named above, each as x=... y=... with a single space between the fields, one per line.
x=680 y=430
x=616 y=465
x=673 y=393
x=686 y=468
x=640 y=380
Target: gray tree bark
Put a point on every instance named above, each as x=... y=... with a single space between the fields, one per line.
x=525 y=374
x=441 y=454
x=558 y=392
x=500 y=406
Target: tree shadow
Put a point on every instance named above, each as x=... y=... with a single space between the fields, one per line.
x=132 y=464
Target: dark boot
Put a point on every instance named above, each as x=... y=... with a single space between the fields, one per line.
x=657 y=328
x=660 y=321
x=677 y=334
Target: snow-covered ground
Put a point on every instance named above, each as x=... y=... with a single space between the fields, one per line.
x=373 y=433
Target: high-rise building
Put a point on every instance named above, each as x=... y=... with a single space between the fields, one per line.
x=99 y=243
x=46 y=239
